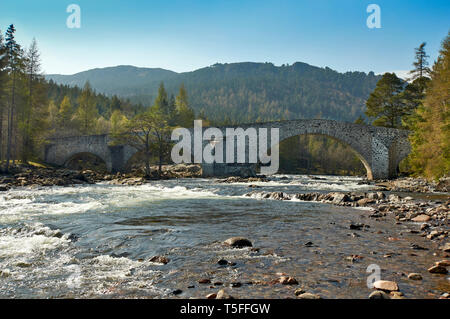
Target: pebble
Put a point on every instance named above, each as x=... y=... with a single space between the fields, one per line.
x=204 y=281
x=421 y=218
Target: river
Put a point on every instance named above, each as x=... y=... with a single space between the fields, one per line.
x=95 y=241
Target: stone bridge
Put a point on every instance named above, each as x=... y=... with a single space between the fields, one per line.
x=380 y=149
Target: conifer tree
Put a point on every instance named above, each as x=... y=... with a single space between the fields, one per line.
x=384 y=105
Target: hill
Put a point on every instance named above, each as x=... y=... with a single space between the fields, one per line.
x=242 y=92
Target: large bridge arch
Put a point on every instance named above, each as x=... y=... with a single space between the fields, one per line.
x=358 y=153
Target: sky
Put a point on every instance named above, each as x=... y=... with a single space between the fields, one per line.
x=188 y=35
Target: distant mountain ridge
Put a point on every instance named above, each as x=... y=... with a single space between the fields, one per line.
x=241 y=92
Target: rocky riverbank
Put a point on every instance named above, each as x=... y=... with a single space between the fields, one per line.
x=33 y=176
x=427 y=218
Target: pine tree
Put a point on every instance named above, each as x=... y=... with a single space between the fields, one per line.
x=162 y=100
x=430 y=140
x=32 y=69
x=421 y=68
x=14 y=67
x=3 y=81
x=185 y=115
x=385 y=105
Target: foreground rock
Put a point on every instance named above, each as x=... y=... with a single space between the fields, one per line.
x=385 y=285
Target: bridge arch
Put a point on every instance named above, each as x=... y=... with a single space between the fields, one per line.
x=71 y=158
x=363 y=160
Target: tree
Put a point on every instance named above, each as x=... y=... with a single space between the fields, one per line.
x=3 y=81
x=162 y=100
x=148 y=132
x=65 y=113
x=117 y=122
x=385 y=105
x=185 y=115
x=421 y=68
x=14 y=56
x=430 y=140
x=36 y=101
x=87 y=112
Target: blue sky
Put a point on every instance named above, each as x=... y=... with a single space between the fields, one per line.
x=187 y=35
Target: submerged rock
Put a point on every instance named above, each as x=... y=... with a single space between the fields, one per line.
x=378 y=294
x=159 y=259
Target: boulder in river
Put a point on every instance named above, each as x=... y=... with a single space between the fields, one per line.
x=238 y=242
x=438 y=270
x=385 y=285
x=415 y=276
x=222 y=294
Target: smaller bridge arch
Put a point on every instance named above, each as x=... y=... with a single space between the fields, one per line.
x=60 y=150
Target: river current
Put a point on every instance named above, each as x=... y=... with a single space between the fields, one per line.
x=95 y=241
